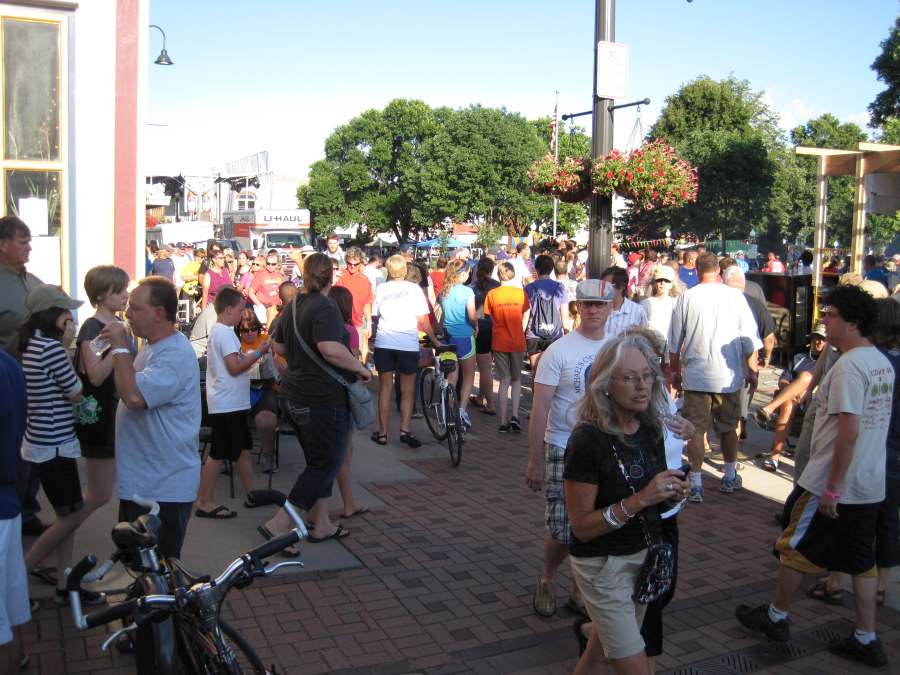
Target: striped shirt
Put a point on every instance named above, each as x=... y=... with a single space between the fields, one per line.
x=50 y=380
x=629 y=314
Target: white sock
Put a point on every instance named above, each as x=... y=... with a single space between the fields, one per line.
x=730 y=473
x=776 y=614
x=863 y=636
x=696 y=479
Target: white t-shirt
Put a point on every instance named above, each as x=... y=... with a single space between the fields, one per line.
x=375 y=275
x=156 y=447
x=398 y=306
x=566 y=365
x=860 y=383
x=659 y=313
x=225 y=392
x=522 y=271
x=714 y=329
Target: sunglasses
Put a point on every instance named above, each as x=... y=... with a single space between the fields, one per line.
x=248 y=329
x=271 y=264
x=255 y=265
x=350 y=264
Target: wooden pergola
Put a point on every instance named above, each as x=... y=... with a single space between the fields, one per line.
x=868 y=159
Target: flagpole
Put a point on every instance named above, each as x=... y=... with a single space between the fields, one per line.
x=556 y=156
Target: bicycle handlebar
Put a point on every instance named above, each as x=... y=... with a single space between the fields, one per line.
x=275 y=545
x=109 y=614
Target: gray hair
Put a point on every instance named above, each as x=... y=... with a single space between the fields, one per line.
x=732 y=272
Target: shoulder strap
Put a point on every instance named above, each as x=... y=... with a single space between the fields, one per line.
x=642 y=520
x=311 y=353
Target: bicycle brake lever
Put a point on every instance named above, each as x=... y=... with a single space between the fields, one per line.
x=112 y=638
x=268 y=571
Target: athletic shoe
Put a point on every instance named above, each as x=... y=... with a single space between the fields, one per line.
x=758 y=619
x=729 y=485
x=61 y=598
x=466 y=422
x=504 y=429
x=871 y=654
x=514 y=424
x=696 y=495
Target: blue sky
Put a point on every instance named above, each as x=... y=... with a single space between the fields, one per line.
x=280 y=75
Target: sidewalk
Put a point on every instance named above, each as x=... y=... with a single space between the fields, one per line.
x=438 y=576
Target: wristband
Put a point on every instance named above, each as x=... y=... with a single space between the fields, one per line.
x=120 y=350
x=834 y=495
x=257 y=354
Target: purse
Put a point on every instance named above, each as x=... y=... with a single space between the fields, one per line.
x=362 y=407
x=656 y=575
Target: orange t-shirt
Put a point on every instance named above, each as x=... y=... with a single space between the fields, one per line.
x=361 y=289
x=506 y=306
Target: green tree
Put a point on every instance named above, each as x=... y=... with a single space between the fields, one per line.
x=726 y=131
x=573 y=142
x=371 y=174
x=887 y=103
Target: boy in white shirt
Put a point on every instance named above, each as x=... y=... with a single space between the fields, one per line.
x=228 y=401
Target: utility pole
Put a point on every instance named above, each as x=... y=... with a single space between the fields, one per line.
x=600 y=224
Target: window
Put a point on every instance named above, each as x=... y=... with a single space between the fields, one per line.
x=246 y=201
x=33 y=93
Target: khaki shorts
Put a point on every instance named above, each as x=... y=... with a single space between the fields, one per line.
x=508 y=365
x=606 y=584
x=701 y=406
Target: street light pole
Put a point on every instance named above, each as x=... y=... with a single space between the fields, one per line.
x=600 y=224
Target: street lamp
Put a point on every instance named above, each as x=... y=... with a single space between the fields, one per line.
x=163 y=58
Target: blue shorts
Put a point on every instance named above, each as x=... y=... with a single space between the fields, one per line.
x=465 y=346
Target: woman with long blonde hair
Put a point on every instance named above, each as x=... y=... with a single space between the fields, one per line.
x=615 y=483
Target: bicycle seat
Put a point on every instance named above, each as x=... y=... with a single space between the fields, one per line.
x=140 y=533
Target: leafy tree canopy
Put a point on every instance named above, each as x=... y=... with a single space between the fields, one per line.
x=887 y=103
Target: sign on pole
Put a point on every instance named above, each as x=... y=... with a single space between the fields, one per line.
x=612 y=70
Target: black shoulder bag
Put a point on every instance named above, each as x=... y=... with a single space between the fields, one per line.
x=655 y=578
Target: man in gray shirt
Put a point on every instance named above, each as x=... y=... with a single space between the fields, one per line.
x=15 y=284
x=158 y=419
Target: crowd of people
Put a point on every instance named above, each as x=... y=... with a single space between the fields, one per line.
x=631 y=372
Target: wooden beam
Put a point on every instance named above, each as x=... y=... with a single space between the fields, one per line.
x=841 y=165
x=858 y=232
x=877 y=147
x=887 y=161
x=819 y=233
x=804 y=150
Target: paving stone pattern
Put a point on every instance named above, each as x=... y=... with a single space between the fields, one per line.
x=448 y=570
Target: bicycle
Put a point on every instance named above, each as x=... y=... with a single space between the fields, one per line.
x=440 y=404
x=175 y=614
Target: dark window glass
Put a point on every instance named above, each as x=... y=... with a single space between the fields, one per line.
x=24 y=184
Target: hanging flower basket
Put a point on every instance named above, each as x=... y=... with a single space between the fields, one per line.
x=569 y=180
x=652 y=176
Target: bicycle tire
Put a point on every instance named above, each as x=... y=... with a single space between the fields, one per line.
x=430 y=399
x=200 y=656
x=454 y=426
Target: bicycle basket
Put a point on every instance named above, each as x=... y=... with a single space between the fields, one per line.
x=447 y=362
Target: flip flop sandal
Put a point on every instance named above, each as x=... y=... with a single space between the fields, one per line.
x=289 y=552
x=379 y=438
x=250 y=504
x=770 y=464
x=45 y=574
x=410 y=440
x=339 y=533
x=221 y=512
x=820 y=591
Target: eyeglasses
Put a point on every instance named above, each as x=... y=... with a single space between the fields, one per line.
x=351 y=264
x=662 y=281
x=632 y=380
x=269 y=263
x=256 y=265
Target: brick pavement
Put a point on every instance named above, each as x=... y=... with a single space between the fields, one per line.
x=448 y=568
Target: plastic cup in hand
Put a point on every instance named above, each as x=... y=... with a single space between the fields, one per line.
x=99 y=345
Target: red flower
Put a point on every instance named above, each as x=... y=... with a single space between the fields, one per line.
x=609 y=174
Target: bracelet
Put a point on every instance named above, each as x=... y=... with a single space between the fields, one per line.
x=611 y=519
x=625 y=511
x=120 y=350
x=834 y=495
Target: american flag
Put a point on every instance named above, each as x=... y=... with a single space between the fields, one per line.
x=554 y=131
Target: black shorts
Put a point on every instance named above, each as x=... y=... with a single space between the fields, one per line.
x=59 y=478
x=230 y=435
x=483 y=339
x=388 y=360
x=537 y=345
x=267 y=402
x=813 y=544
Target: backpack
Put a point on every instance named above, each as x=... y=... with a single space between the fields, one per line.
x=545 y=321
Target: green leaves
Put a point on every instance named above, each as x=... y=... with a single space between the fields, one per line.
x=887 y=103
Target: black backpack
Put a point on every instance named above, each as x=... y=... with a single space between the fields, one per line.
x=545 y=321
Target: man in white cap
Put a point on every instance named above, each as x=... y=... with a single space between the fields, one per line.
x=559 y=385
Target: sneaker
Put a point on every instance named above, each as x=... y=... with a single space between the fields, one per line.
x=466 y=422
x=696 y=495
x=514 y=424
x=544 y=600
x=504 y=428
x=729 y=485
x=871 y=654
x=765 y=420
x=757 y=619
x=61 y=598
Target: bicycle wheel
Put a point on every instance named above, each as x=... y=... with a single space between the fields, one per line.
x=432 y=408
x=245 y=658
x=200 y=655
x=454 y=426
